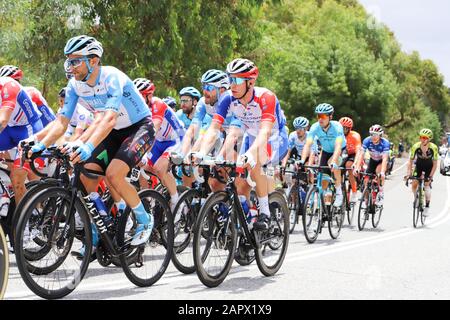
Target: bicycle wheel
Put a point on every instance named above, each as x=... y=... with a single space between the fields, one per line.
x=294 y=207
x=350 y=206
x=215 y=239
x=276 y=238
x=154 y=255
x=363 y=213
x=416 y=210
x=4 y=263
x=311 y=218
x=376 y=215
x=336 y=219
x=187 y=209
x=57 y=273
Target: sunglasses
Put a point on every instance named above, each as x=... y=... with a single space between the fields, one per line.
x=424 y=138
x=182 y=101
x=237 y=81
x=74 y=63
x=375 y=134
x=208 y=87
x=322 y=116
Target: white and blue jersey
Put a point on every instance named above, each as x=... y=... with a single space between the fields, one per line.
x=114 y=91
x=328 y=138
x=376 y=151
x=204 y=114
x=295 y=143
x=183 y=117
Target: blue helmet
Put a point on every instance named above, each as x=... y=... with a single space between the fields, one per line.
x=216 y=78
x=300 y=123
x=190 y=91
x=171 y=102
x=83 y=45
x=324 y=108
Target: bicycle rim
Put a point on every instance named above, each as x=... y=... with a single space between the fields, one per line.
x=311 y=215
x=363 y=213
x=4 y=263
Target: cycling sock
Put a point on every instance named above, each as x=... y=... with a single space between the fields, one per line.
x=427 y=204
x=174 y=199
x=338 y=190
x=142 y=216
x=264 y=205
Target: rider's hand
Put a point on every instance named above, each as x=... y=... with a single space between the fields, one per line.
x=197 y=157
x=38 y=147
x=83 y=153
x=27 y=141
x=333 y=166
x=68 y=147
x=247 y=159
x=143 y=162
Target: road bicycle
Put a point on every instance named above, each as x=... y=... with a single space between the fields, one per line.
x=222 y=221
x=367 y=206
x=419 y=200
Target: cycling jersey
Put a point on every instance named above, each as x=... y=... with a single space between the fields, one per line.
x=183 y=117
x=81 y=118
x=114 y=91
x=36 y=96
x=431 y=154
x=203 y=110
x=376 y=151
x=14 y=97
x=171 y=128
x=353 y=142
x=327 y=138
x=264 y=106
x=295 y=142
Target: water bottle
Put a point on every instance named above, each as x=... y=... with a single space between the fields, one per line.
x=95 y=197
x=4 y=204
x=302 y=193
x=244 y=204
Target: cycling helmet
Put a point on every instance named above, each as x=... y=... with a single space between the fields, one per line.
x=376 y=129
x=144 y=86
x=346 y=122
x=83 y=45
x=171 y=102
x=216 y=78
x=300 y=123
x=324 y=108
x=11 y=71
x=242 y=68
x=427 y=133
x=190 y=91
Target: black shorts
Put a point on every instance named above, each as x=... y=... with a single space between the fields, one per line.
x=372 y=166
x=128 y=144
x=424 y=166
x=350 y=157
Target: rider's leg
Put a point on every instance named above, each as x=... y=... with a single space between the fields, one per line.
x=167 y=179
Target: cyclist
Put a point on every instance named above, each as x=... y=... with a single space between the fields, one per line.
x=189 y=98
x=353 y=140
x=378 y=149
x=265 y=139
x=169 y=134
x=81 y=119
x=19 y=119
x=35 y=95
x=426 y=155
x=330 y=134
x=171 y=102
x=121 y=133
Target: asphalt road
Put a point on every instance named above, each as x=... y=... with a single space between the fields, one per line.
x=394 y=261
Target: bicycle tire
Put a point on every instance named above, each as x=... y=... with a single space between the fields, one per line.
x=307 y=217
x=23 y=264
x=294 y=207
x=162 y=234
x=363 y=213
x=187 y=265
x=278 y=206
x=230 y=243
x=4 y=264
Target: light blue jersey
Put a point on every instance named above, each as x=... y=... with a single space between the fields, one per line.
x=327 y=139
x=204 y=109
x=113 y=91
x=295 y=142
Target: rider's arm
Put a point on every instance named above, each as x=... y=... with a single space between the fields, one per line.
x=8 y=98
x=210 y=137
x=435 y=158
x=50 y=134
x=188 y=137
x=5 y=114
x=288 y=154
x=337 y=150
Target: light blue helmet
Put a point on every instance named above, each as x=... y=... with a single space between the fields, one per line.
x=324 y=108
x=83 y=45
x=300 y=123
x=216 y=78
x=190 y=91
x=171 y=102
